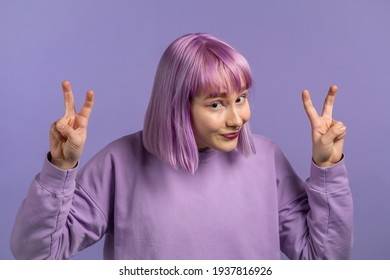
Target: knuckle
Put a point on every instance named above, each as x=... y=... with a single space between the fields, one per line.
x=323 y=141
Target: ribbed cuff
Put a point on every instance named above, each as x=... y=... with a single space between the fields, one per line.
x=55 y=179
x=328 y=177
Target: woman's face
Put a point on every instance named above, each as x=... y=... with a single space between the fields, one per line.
x=217 y=118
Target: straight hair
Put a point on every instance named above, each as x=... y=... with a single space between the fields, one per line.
x=191 y=64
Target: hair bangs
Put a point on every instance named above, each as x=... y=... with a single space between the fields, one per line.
x=223 y=70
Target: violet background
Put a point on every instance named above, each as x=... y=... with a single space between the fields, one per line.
x=113 y=47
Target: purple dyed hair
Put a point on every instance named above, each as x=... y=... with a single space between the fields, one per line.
x=191 y=64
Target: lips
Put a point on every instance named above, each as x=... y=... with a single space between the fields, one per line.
x=231 y=136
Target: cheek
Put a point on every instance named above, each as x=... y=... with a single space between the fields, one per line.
x=208 y=122
x=246 y=113
x=200 y=121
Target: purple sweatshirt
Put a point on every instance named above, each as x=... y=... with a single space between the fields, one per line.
x=233 y=207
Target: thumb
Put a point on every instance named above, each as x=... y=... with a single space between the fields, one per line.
x=336 y=131
x=65 y=130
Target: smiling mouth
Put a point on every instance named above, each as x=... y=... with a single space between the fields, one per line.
x=231 y=136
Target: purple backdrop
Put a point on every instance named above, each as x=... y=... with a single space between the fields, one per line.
x=114 y=47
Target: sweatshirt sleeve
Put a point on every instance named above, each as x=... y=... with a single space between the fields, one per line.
x=47 y=224
x=316 y=216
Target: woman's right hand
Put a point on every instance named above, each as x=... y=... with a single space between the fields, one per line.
x=68 y=134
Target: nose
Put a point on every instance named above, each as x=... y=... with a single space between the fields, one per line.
x=233 y=118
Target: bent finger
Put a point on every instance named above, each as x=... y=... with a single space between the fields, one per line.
x=342 y=130
x=54 y=133
x=66 y=131
x=336 y=131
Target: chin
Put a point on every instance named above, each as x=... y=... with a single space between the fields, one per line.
x=226 y=147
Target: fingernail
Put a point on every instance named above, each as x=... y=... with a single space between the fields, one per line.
x=342 y=129
x=60 y=126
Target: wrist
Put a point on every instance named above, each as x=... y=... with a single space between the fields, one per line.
x=323 y=164
x=61 y=163
x=326 y=164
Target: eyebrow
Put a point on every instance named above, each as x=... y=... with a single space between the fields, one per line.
x=216 y=95
x=222 y=94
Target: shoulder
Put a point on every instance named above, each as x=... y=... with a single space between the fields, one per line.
x=123 y=149
x=267 y=148
x=126 y=143
x=263 y=143
x=125 y=153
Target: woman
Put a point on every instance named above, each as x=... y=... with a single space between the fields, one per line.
x=195 y=183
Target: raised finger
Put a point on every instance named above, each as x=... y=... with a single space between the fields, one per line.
x=88 y=104
x=327 y=110
x=308 y=105
x=68 y=98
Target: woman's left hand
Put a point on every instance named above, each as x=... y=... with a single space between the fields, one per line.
x=327 y=134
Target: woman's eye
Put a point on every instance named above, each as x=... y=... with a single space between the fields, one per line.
x=240 y=99
x=216 y=105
